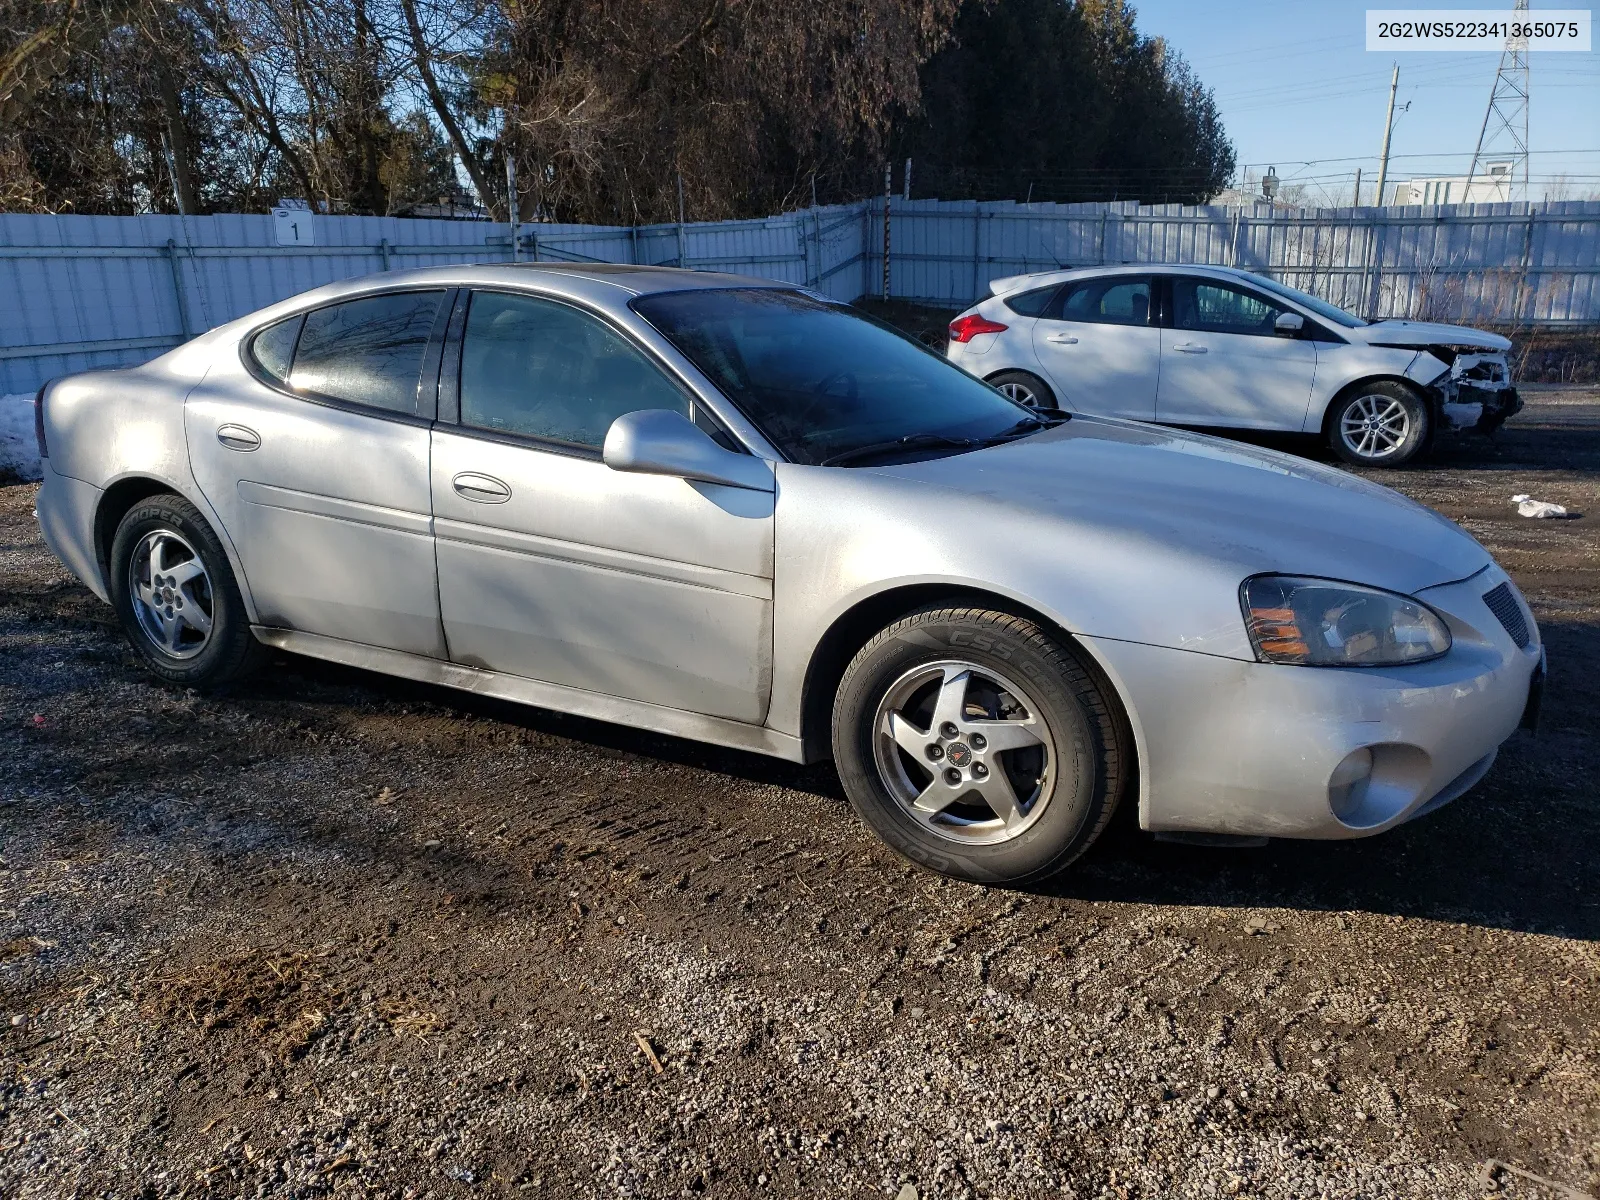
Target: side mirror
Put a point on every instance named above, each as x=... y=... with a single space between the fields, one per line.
x=1289 y=324
x=658 y=441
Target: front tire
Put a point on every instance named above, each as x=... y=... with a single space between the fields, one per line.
x=1381 y=424
x=175 y=595
x=978 y=746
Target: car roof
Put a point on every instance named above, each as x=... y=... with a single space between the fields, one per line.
x=1006 y=285
x=606 y=285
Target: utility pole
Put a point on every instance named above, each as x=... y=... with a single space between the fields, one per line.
x=1507 y=115
x=1357 y=202
x=511 y=204
x=907 y=193
x=1388 y=130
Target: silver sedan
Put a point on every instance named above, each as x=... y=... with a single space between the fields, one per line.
x=731 y=510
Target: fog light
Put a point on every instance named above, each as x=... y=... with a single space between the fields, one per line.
x=1347 y=786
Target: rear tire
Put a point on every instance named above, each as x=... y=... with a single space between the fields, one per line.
x=175 y=595
x=978 y=746
x=1025 y=388
x=1380 y=424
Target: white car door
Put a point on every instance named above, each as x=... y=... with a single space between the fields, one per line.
x=553 y=566
x=312 y=447
x=1223 y=363
x=1101 y=348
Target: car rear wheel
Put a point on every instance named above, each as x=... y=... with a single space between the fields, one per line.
x=977 y=746
x=1024 y=388
x=175 y=595
x=1380 y=424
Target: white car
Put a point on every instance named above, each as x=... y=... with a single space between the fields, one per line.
x=1216 y=347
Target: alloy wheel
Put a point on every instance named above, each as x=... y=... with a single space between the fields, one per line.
x=1375 y=426
x=172 y=597
x=1020 y=392
x=964 y=752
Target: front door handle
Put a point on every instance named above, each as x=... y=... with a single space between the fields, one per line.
x=482 y=489
x=1189 y=348
x=1062 y=339
x=239 y=437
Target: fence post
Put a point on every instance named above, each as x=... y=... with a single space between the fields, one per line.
x=177 y=287
x=977 y=216
x=682 y=244
x=383 y=252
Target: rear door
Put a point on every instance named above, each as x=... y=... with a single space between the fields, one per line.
x=313 y=451
x=1100 y=344
x=557 y=568
x=1223 y=363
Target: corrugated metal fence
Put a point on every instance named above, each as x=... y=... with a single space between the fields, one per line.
x=83 y=291
x=1515 y=264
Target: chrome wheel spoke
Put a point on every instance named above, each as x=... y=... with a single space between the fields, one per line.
x=936 y=797
x=1000 y=736
x=1001 y=798
x=185 y=572
x=196 y=618
x=907 y=736
x=951 y=707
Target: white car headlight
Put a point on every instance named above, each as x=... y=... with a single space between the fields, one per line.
x=1326 y=623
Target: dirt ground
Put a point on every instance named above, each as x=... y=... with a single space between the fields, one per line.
x=334 y=933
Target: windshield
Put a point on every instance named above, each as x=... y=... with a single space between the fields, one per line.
x=1322 y=308
x=822 y=381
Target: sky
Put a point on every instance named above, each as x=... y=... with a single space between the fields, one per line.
x=1299 y=91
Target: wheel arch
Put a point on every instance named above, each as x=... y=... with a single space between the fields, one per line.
x=1349 y=389
x=858 y=624
x=120 y=497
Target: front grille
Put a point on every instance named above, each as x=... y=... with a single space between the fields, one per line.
x=1502 y=602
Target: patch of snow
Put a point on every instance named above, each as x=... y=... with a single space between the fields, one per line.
x=19 y=453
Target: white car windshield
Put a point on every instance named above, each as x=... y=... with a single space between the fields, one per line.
x=827 y=384
x=1322 y=308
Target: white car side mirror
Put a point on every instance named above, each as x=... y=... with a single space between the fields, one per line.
x=658 y=441
x=1289 y=324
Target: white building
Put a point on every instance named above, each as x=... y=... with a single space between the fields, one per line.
x=1491 y=186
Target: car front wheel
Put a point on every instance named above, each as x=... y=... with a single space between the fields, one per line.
x=1381 y=424
x=175 y=595
x=977 y=745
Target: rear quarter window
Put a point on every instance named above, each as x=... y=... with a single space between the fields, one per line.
x=1032 y=303
x=273 y=348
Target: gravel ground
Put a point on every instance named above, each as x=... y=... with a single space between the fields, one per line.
x=338 y=934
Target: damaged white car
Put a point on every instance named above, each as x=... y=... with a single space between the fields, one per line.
x=1220 y=348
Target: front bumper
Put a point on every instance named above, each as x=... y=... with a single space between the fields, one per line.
x=1228 y=746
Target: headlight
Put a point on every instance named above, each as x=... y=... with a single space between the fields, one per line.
x=1325 y=623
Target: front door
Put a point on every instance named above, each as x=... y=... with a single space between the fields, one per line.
x=1223 y=362
x=553 y=566
x=314 y=454
x=1099 y=343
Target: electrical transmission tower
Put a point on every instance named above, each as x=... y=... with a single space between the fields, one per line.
x=1504 y=136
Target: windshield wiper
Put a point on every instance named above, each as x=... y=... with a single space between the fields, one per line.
x=912 y=441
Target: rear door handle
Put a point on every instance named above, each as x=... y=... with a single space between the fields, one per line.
x=1062 y=339
x=1189 y=348
x=239 y=437
x=482 y=489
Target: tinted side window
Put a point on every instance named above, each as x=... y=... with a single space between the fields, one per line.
x=1115 y=301
x=1034 y=303
x=546 y=370
x=367 y=351
x=273 y=347
x=1209 y=307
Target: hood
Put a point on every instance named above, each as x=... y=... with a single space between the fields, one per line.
x=1422 y=334
x=1198 y=497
